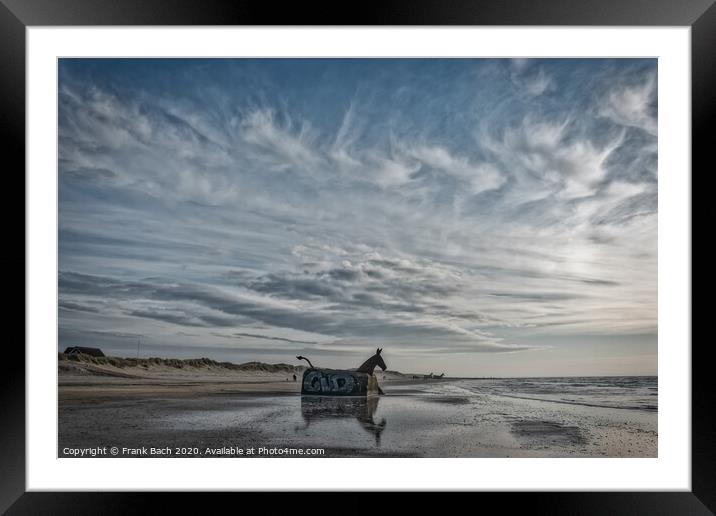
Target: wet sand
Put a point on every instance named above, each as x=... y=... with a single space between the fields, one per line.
x=215 y=415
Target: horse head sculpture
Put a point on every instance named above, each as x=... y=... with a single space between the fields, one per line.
x=369 y=365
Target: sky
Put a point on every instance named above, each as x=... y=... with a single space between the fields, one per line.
x=477 y=217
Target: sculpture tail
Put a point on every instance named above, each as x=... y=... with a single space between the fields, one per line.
x=304 y=358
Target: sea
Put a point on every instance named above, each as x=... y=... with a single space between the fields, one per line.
x=618 y=392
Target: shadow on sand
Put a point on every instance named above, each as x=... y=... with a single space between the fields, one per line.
x=325 y=408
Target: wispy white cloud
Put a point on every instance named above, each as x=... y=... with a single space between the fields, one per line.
x=288 y=145
x=529 y=78
x=479 y=177
x=632 y=105
x=552 y=158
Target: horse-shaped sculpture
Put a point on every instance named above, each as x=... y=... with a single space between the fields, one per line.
x=340 y=382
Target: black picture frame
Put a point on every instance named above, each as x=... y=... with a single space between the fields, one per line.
x=17 y=15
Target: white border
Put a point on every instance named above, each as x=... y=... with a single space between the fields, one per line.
x=670 y=471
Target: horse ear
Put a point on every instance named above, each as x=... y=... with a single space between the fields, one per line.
x=378 y=350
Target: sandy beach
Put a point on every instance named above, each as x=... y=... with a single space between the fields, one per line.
x=205 y=412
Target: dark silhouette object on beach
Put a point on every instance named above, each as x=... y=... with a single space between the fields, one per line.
x=294 y=377
x=76 y=350
x=341 y=382
x=304 y=358
x=326 y=408
x=375 y=361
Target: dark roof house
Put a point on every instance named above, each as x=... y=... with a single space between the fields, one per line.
x=76 y=350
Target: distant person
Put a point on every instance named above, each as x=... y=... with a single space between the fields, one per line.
x=294 y=377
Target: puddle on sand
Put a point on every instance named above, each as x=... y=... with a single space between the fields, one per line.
x=539 y=432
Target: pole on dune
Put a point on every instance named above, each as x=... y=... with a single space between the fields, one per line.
x=138 y=348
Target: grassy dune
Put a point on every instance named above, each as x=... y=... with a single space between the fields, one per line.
x=88 y=364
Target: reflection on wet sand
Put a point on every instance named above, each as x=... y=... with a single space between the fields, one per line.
x=324 y=408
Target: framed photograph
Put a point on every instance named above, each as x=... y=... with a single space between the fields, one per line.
x=419 y=249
